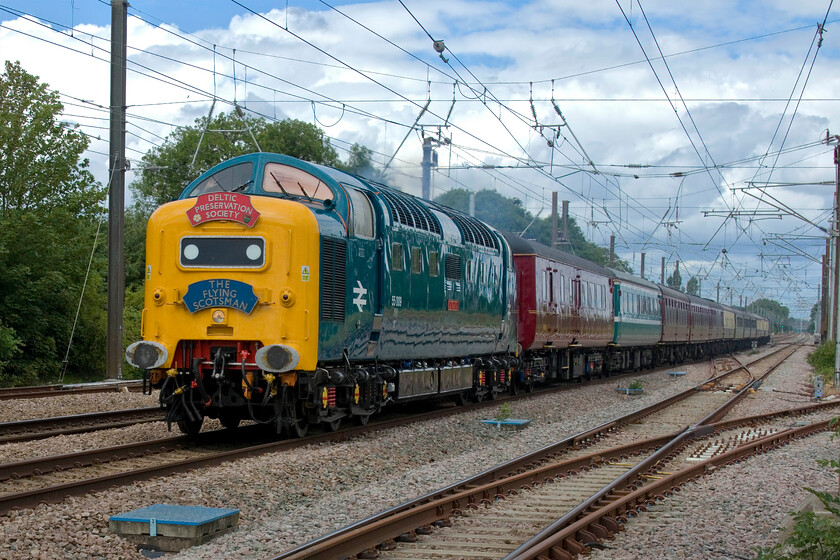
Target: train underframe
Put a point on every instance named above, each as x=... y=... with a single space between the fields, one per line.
x=576 y=363
x=223 y=382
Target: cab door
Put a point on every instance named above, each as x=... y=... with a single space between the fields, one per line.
x=364 y=277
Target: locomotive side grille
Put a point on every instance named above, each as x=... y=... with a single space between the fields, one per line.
x=407 y=211
x=333 y=278
x=452 y=267
x=475 y=231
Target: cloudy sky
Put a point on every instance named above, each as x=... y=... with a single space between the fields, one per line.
x=677 y=127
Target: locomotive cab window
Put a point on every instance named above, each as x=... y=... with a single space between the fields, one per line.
x=235 y=178
x=362 y=222
x=291 y=181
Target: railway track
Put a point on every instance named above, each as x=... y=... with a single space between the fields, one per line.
x=27 y=483
x=41 y=428
x=36 y=392
x=486 y=516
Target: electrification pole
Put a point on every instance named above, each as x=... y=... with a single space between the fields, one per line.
x=836 y=263
x=116 y=191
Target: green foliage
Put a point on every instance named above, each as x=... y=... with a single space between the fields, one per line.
x=135 y=248
x=49 y=209
x=360 y=162
x=636 y=384
x=822 y=359
x=9 y=345
x=508 y=214
x=40 y=166
x=172 y=168
x=131 y=325
x=505 y=412
x=693 y=286
x=674 y=281
x=771 y=309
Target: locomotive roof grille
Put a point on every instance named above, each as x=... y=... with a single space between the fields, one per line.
x=407 y=211
x=475 y=231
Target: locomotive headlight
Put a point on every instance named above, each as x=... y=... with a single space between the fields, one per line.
x=219 y=316
x=146 y=354
x=277 y=358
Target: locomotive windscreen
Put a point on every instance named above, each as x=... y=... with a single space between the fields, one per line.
x=222 y=252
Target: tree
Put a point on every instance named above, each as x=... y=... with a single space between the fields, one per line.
x=171 y=166
x=772 y=310
x=49 y=207
x=360 y=162
x=674 y=281
x=693 y=286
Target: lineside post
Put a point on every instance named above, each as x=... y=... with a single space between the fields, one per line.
x=836 y=233
x=116 y=191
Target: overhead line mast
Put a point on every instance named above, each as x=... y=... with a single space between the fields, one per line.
x=116 y=191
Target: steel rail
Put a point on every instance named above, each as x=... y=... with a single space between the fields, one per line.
x=721 y=411
x=332 y=541
x=568 y=541
x=35 y=392
x=40 y=428
x=699 y=428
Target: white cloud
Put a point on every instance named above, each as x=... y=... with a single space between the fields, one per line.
x=607 y=91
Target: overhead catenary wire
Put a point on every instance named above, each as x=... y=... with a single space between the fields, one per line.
x=536 y=159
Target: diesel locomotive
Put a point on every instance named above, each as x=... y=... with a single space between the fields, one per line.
x=294 y=294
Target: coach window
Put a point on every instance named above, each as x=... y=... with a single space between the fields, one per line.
x=562 y=287
x=397 y=258
x=550 y=287
x=362 y=222
x=291 y=181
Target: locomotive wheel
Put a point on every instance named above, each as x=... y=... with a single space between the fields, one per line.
x=529 y=386
x=299 y=424
x=460 y=399
x=229 y=420
x=491 y=395
x=331 y=426
x=514 y=387
x=362 y=419
x=190 y=427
